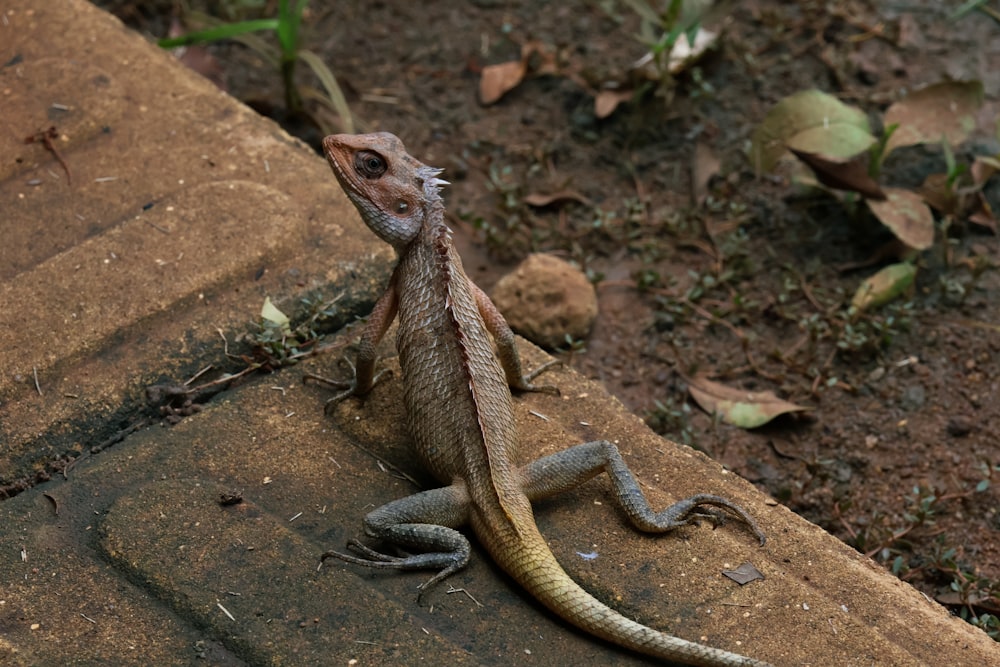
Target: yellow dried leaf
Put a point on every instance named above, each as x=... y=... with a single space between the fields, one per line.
x=746 y=409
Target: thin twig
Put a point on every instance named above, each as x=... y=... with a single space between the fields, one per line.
x=45 y=138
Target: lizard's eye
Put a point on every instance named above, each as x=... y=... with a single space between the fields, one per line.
x=401 y=207
x=370 y=164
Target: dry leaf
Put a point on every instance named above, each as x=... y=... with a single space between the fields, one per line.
x=606 y=101
x=944 y=110
x=705 y=165
x=746 y=409
x=983 y=215
x=497 y=80
x=906 y=214
x=685 y=53
x=813 y=122
x=969 y=599
x=982 y=169
x=938 y=195
x=272 y=314
x=197 y=58
x=884 y=286
x=967 y=202
x=540 y=200
x=540 y=58
x=682 y=55
x=849 y=174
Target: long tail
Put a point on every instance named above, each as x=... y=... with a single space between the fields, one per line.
x=530 y=561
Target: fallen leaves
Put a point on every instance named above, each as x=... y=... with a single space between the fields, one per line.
x=907 y=215
x=541 y=200
x=537 y=59
x=812 y=122
x=884 y=286
x=835 y=141
x=744 y=574
x=608 y=99
x=964 y=200
x=943 y=111
x=851 y=174
x=683 y=54
x=498 y=80
x=746 y=409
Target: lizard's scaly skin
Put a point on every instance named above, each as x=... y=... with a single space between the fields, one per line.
x=459 y=410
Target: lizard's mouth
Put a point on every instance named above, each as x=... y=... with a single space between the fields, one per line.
x=338 y=154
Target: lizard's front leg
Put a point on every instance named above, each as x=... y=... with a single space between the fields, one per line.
x=507 y=353
x=568 y=469
x=423 y=522
x=364 y=368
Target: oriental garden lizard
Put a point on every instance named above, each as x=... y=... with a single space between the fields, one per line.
x=458 y=401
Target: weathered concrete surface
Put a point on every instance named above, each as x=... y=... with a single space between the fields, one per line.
x=130 y=558
x=185 y=209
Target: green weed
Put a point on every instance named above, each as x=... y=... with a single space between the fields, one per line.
x=287 y=27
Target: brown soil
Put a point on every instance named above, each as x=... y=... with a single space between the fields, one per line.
x=747 y=287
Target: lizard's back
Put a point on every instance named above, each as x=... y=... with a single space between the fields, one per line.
x=456 y=395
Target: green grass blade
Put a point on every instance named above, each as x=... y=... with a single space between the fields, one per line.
x=287 y=31
x=256 y=43
x=226 y=31
x=329 y=82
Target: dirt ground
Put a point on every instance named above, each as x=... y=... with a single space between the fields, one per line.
x=899 y=455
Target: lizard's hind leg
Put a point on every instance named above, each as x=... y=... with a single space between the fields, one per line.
x=569 y=468
x=424 y=522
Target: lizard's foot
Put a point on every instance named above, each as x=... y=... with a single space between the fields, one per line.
x=448 y=562
x=690 y=510
x=524 y=383
x=346 y=388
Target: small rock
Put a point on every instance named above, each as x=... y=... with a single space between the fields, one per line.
x=545 y=299
x=959 y=427
x=913 y=397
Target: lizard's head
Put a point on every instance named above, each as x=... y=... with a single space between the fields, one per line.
x=391 y=189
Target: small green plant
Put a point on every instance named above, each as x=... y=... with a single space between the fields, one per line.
x=572 y=347
x=867 y=335
x=880 y=541
x=988 y=471
x=275 y=344
x=988 y=623
x=646 y=279
x=970 y=595
x=661 y=30
x=672 y=418
x=508 y=232
x=287 y=27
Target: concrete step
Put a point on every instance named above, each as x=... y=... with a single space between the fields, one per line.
x=184 y=210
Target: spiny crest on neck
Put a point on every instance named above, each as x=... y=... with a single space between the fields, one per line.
x=432 y=184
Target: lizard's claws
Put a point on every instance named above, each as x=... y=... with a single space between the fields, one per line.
x=524 y=383
x=347 y=387
x=690 y=510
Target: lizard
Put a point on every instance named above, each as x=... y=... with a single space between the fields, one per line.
x=459 y=362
